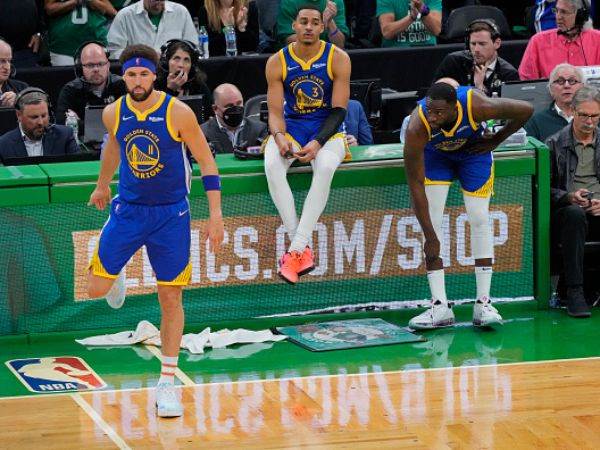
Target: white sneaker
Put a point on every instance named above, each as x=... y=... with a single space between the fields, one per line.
x=439 y=315
x=116 y=296
x=167 y=401
x=484 y=314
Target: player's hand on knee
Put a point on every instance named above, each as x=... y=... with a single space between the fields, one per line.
x=308 y=152
x=100 y=197
x=285 y=146
x=214 y=233
x=431 y=248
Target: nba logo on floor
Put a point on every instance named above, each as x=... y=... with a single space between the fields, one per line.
x=55 y=374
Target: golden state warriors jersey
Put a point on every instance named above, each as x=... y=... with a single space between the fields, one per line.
x=154 y=167
x=463 y=130
x=307 y=85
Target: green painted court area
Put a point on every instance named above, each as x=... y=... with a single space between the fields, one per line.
x=529 y=334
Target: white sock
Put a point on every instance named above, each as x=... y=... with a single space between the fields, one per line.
x=167 y=369
x=483 y=280
x=437 y=285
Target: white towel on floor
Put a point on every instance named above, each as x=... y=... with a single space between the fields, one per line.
x=148 y=334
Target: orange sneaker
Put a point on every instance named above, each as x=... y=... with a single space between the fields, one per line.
x=307 y=263
x=288 y=266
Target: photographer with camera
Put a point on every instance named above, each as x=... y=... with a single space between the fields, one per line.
x=229 y=131
x=575 y=193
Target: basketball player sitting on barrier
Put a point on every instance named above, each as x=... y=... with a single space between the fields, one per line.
x=444 y=141
x=148 y=133
x=313 y=77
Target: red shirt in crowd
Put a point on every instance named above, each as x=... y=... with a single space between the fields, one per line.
x=547 y=49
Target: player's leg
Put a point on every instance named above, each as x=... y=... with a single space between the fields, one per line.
x=276 y=167
x=120 y=238
x=168 y=249
x=437 y=193
x=477 y=180
x=168 y=402
x=324 y=166
x=439 y=173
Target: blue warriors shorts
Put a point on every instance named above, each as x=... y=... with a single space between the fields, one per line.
x=302 y=131
x=475 y=172
x=163 y=229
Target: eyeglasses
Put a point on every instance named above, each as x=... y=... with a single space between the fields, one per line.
x=562 y=12
x=91 y=66
x=5 y=62
x=588 y=116
x=570 y=81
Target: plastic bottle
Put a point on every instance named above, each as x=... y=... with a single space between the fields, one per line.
x=203 y=42
x=230 y=41
x=491 y=123
x=72 y=122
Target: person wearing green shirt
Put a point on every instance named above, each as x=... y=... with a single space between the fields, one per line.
x=408 y=23
x=334 y=18
x=73 y=22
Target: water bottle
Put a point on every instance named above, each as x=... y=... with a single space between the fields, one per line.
x=73 y=123
x=491 y=123
x=230 y=43
x=203 y=42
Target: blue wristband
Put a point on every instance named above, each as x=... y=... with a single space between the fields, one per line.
x=211 y=182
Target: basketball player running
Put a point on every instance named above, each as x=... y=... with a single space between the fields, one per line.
x=308 y=91
x=444 y=141
x=148 y=132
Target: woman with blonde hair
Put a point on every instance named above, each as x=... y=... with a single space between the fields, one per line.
x=240 y=14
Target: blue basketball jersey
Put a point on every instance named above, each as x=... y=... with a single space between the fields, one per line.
x=154 y=168
x=307 y=85
x=463 y=130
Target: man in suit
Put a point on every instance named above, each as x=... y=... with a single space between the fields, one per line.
x=229 y=129
x=479 y=64
x=35 y=136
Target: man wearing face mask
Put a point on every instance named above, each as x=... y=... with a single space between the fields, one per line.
x=229 y=129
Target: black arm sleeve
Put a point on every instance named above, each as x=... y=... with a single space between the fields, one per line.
x=331 y=125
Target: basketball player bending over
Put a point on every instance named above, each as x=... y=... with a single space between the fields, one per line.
x=313 y=78
x=444 y=141
x=148 y=132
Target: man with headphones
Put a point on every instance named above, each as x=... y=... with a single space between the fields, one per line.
x=93 y=83
x=35 y=135
x=573 y=41
x=479 y=64
x=9 y=88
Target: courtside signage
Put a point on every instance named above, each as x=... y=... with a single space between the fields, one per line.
x=347 y=245
x=55 y=374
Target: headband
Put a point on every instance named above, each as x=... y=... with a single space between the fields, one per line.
x=138 y=61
